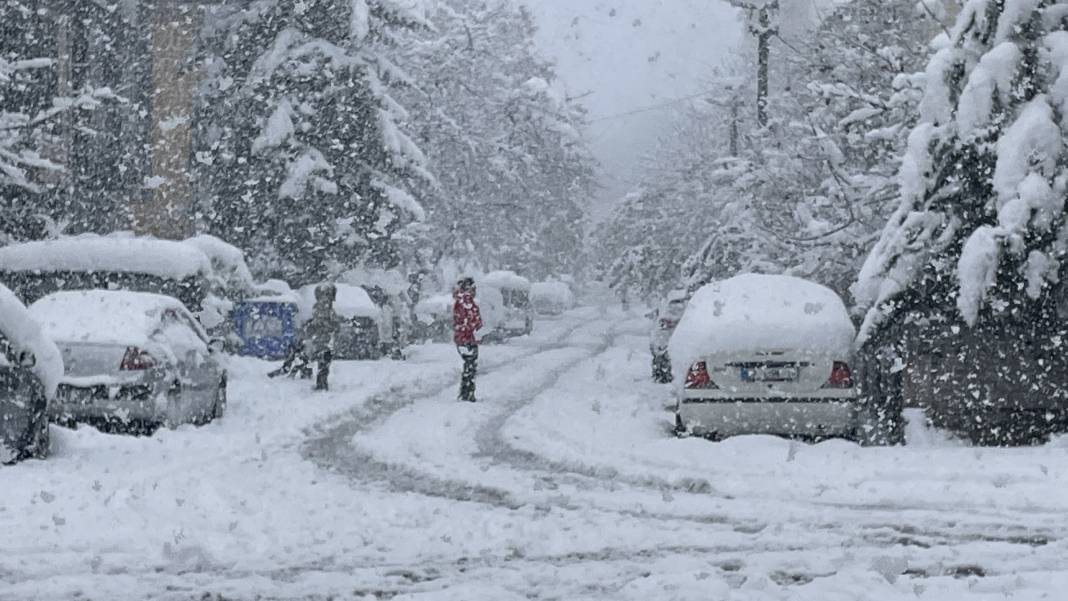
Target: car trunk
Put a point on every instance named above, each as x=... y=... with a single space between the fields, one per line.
x=775 y=372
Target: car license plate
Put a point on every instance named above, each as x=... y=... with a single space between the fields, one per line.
x=769 y=374
x=74 y=396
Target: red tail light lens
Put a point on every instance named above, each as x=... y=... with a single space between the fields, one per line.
x=841 y=377
x=668 y=324
x=136 y=359
x=698 y=376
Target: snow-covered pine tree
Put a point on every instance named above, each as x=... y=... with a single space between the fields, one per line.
x=33 y=117
x=969 y=264
x=300 y=152
x=507 y=149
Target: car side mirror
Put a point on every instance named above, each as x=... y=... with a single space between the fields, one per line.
x=216 y=346
x=27 y=359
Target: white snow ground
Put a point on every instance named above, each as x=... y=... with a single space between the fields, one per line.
x=564 y=483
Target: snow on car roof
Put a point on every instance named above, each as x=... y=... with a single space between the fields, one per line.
x=505 y=279
x=102 y=316
x=436 y=304
x=124 y=254
x=274 y=291
x=552 y=291
x=227 y=261
x=390 y=281
x=352 y=301
x=754 y=312
x=24 y=333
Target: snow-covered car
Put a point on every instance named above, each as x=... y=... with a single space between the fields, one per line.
x=135 y=360
x=665 y=318
x=33 y=270
x=434 y=318
x=516 y=317
x=551 y=298
x=230 y=282
x=30 y=369
x=389 y=290
x=362 y=324
x=765 y=354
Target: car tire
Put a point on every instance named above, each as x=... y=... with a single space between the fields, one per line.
x=662 y=369
x=680 y=430
x=218 y=408
x=43 y=443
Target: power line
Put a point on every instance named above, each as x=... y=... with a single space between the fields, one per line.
x=652 y=107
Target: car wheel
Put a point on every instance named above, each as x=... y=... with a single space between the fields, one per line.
x=680 y=427
x=219 y=407
x=43 y=444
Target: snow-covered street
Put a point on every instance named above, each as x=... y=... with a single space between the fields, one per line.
x=564 y=482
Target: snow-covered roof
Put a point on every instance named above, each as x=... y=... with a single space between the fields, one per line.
x=90 y=252
x=754 y=312
x=102 y=316
x=23 y=333
x=352 y=301
x=504 y=279
x=227 y=261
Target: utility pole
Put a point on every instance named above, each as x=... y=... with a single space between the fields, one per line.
x=760 y=25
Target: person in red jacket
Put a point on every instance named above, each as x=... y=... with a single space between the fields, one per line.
x=466 y=320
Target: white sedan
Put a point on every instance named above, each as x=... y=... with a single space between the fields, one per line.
x=764 y=354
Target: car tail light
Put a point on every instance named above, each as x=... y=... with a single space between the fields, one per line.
x=668 y=324
x=136 y=359
x=841 y=377
x=698 y=377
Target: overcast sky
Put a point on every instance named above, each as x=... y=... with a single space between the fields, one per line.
x=633 y=54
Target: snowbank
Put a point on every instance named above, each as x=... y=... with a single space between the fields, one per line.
x=504 y=279
x=24 y=333
x=551 y=298
x=754 y=312
x=90 y=252
x=102 y=316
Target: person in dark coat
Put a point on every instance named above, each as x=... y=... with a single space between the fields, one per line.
x=321 y=331
x=466 y=320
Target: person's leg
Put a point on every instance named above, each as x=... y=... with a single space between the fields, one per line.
x=323 y=373
x=474 y=369
x=467 y=382
x=464 y=379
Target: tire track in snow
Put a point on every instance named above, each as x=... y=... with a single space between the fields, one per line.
x=329 y=445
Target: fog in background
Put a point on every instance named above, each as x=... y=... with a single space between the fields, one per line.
x=633 y=58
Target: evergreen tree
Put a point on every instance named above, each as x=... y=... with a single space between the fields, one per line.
x=969 y=264
x=37 y=170
x=301 y=157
